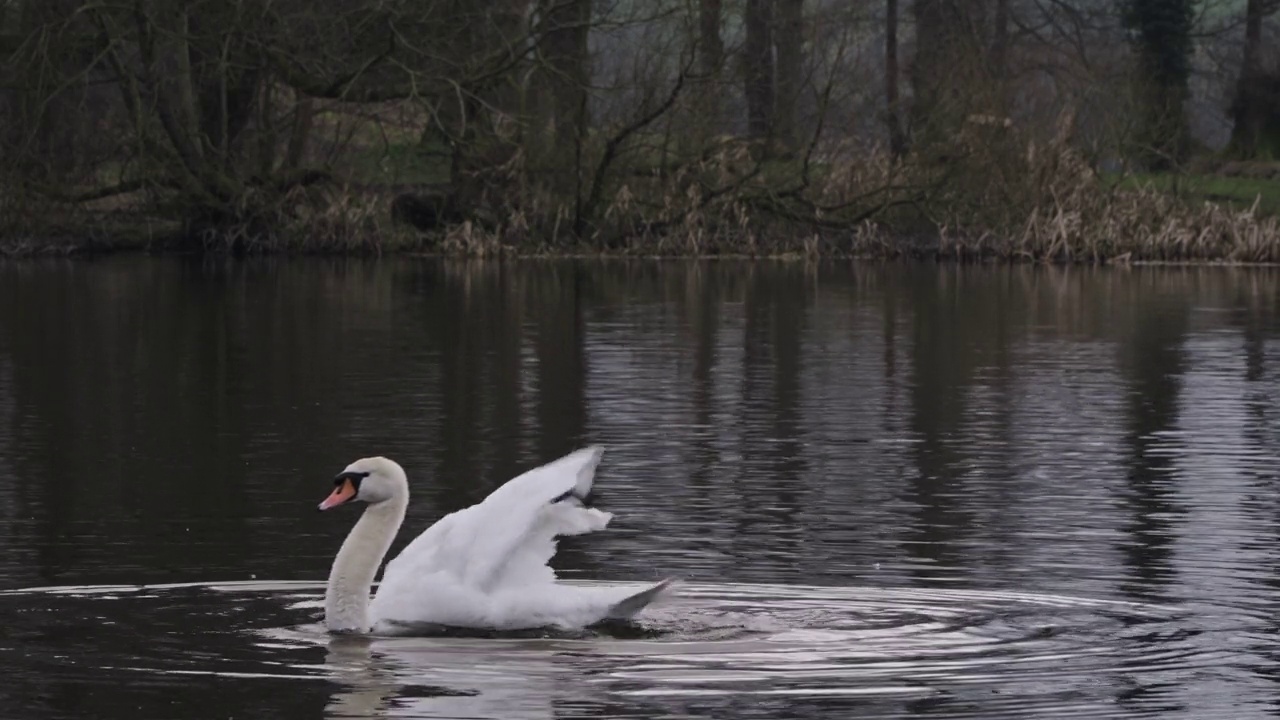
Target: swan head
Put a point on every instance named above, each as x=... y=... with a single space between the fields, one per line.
x=372 y=480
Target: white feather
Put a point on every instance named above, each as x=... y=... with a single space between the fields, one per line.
x=486 y=566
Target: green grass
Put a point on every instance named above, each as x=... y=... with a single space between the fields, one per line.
x=1236 y=192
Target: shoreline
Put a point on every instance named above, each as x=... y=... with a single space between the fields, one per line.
x=1054 y=211
x=915 y=255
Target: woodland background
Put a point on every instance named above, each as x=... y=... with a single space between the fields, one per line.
x=1048 y=129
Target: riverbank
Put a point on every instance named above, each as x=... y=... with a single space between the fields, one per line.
x=1064 y=214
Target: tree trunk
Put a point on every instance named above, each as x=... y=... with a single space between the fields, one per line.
x=226 y=73
x=950 y=67
x=303 y=120
x=710 y=63
x=790 y=48
x=563 y=45
x=1161 y=31
x=1256 y=110
x=47 y=100
x=485 y=120
x=1000 y=57
x=757 y=65
x=897 y=139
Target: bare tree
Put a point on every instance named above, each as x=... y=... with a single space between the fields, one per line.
x=710 y=64
x=897 y=137
x=1256 y=110
x=1000 y=41
x=758 y=67
x=563 y=46
x=789 y=40
x=949 y=65
x=252 y=123
x=1161 y=35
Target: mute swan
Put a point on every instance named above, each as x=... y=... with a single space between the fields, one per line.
x=484 y=566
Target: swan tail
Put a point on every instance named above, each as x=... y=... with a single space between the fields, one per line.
x=633 y=604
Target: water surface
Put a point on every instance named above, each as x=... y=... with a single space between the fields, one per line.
x=893 y=491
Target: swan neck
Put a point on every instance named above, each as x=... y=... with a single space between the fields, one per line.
x=346 y=602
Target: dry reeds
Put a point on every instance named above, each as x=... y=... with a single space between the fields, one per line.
x=1047 y=204
x=989 y=194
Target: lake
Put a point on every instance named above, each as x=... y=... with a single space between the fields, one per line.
x=890 y=490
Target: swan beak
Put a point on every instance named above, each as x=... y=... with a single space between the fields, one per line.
x=341 y=494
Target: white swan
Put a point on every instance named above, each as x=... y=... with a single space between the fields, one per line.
x=481 y=567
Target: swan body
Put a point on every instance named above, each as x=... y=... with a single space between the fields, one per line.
x=481 y=567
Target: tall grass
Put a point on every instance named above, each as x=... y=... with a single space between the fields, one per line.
x=990 y=194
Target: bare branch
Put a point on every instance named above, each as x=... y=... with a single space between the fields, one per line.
x=611 y=148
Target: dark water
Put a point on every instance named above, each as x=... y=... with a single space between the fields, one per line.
x=893 y=491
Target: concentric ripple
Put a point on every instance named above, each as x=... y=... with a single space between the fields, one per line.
x=754 y=650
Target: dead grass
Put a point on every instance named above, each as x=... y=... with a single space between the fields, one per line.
x=1146 y=224
x=1260 y=192
x=991 y=194
x=346 y=220
x=1046 y=203
x=1073 y=215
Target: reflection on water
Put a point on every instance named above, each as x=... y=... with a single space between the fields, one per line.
x=748 y=649
x=885 y=439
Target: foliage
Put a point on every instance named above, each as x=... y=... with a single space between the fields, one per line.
x=1161 y=34
x=551 y=126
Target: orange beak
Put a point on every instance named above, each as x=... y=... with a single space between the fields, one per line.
x=341 y=494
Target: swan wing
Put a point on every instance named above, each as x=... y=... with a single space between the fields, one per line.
x=487 y=565
x=509 y=537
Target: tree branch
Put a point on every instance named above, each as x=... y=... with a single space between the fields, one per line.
x=615 y=142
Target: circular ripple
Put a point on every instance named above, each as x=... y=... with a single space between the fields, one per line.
x=747 y=649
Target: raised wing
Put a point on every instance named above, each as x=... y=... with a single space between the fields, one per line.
x=510 y=536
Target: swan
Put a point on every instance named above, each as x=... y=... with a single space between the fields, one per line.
x=483 y=567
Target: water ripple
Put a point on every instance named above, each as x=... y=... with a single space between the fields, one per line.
x=871 y=648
